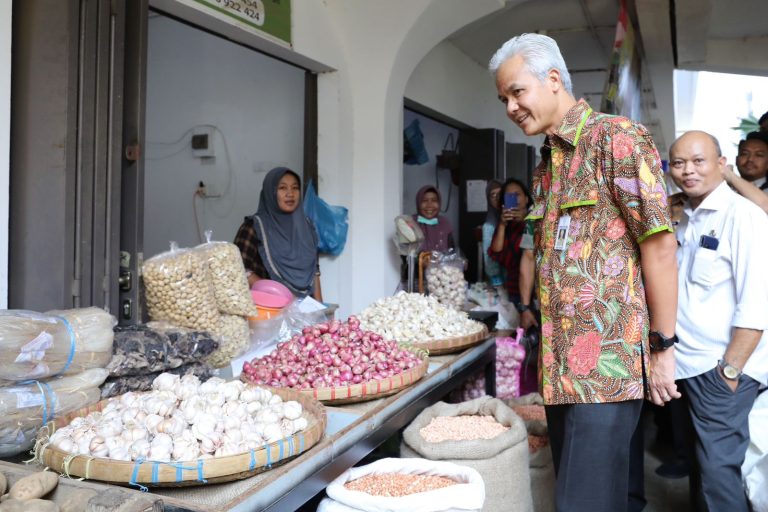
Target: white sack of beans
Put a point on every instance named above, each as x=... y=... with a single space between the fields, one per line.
x=228 y=279
x=467 y=494
x=446 y=283
x=413 y=318
x=178 y=289
x=505 y=491
x=182 y=419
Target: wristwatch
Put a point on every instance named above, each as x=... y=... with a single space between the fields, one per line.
x=659 y=342
x=730 y=372
x=522 y=308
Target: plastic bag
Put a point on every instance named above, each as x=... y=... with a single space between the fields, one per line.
x=141 y=349
x=178 y=289
x=445 y=279
x=295 y=318
x=510 y=354
x=467 y=494
x=330 y=222
x=36 y=345
x=18 y=431
x=45 y=398
x=414 y=151
x=234 y=337
x=227 y=274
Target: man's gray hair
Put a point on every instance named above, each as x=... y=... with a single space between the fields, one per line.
x=540 y=53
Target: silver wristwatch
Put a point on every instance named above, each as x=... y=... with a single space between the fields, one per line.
x=730 y=372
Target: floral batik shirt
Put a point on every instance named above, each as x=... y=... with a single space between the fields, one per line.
x=603 y=188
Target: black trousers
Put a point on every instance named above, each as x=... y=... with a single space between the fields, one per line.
x=591 y=454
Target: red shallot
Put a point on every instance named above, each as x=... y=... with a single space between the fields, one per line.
x=330 y=354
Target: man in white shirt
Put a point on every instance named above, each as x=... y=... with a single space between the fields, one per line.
x=722 y=313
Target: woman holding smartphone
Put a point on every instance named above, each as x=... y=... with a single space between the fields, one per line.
x=505 y=247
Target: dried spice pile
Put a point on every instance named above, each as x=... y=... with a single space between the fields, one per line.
x=398 y=484
x=461 y=428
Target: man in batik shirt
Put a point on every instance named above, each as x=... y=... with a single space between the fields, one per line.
x=607 y=274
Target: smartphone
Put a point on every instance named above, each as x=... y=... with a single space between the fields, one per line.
x=510 y=200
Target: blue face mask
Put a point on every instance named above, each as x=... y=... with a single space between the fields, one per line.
x=430 y=222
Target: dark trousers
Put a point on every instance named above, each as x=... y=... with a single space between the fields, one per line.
x=591 y=453
x=720 y=419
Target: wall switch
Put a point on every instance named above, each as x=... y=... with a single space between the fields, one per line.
x=202 y=142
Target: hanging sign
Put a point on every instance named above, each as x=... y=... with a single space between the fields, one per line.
x=272 y=17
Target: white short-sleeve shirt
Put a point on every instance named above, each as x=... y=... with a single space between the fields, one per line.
x=721 y=288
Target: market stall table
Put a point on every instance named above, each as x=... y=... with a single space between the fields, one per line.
x=352 y=432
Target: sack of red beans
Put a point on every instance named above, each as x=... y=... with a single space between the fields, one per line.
x=400 y=485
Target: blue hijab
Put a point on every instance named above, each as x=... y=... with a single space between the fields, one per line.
x=288 y=242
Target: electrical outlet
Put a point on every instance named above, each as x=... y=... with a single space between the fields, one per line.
x=202 y=142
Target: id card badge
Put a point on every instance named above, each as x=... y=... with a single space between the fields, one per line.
x=561 y=241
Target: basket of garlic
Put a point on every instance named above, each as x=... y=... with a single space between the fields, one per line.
x=422 y=321
x=182 y=433
x=338 y=362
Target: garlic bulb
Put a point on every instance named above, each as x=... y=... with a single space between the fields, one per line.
x=119 y=453
x=272 y=432
x=300 y=424
x=292 y=409
x=152 y=421
x=139 y=448
x=211 y=385
x=182 y=420
x=165 y=382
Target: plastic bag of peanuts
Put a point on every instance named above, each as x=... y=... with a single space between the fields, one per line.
x=228 y=279
x=445 y=279
x=177 y=288
x=390 y=485
x=234 y=336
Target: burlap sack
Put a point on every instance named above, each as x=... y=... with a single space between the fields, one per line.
x=502 y=461
x=536 y=426
x=542 y=469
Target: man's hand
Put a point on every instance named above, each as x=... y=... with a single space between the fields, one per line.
x=662 y=377
x=528 y=319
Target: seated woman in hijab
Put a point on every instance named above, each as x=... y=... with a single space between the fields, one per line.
x=438 y=232
x=279 y=242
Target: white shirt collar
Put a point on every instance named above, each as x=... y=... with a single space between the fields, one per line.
x=718 y=199
x=759 y=182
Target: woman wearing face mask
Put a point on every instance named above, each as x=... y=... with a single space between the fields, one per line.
x=438 y=232
x=279 y=242
x=505 y=247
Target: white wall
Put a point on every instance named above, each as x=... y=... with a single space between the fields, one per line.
x=195 y=78
x=416 y=176
x=5 y=137
x=361 y=109
x=448 y=81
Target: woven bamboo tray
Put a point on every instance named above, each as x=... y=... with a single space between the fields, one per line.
x=175 y=474
x=372 y=389
x=456 y=344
